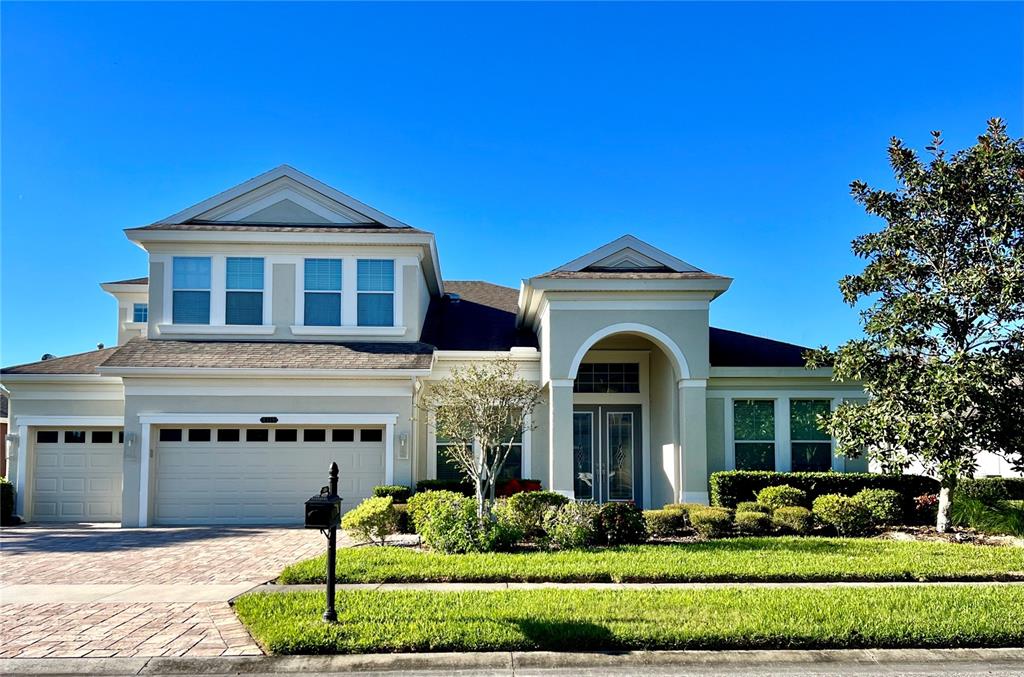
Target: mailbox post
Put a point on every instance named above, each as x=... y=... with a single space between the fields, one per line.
x=323 y=512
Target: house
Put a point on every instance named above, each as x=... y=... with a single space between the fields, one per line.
x=284 y=324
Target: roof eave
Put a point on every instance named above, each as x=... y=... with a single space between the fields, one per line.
x=218 y=372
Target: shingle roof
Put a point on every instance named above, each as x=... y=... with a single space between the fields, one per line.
x=81 y=363
x=134 y=280
x=275 y=228
x=733 y=349
x=628 y=275
x=482 y=318
x=141 y=352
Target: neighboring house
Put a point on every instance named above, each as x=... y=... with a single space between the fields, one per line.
x=284 y=325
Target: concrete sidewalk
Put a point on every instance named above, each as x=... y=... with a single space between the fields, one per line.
x=710 y=663
x=36 y=593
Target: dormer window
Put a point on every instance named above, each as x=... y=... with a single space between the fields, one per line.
x=244 y=291
x=323 y=292
x=376 y=293
x=191 y=294
x=140 y=312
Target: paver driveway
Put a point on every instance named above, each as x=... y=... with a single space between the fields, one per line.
x=94 y=590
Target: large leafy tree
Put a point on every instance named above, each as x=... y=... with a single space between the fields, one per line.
x=942 y=356
x=481 y=410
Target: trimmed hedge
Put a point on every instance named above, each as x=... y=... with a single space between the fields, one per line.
x=781 y=496
x=711 y=522
x=753 y=506
x=1003 y=488
x=372 y=520
x=847 y=515
x=732 y=486
x=794 y=520
x=883 y=504
x=753 y=523
x=621 y=524
x=663 y=523
x=397 y=492
x=526 y=510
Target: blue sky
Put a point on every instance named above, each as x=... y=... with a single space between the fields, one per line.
x=522 y=135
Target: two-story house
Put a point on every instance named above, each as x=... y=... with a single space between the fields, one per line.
x=284 y=325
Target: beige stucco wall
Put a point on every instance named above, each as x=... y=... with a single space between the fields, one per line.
x=716 y=434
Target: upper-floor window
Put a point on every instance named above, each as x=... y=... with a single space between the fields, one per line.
x=140 y=312
x=191 y=294
x=811 y=446
x=607 y=377
x=375 y=303
x=323 y=292
x=754 y=434
x=243 y=303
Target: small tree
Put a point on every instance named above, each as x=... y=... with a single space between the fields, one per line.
x=480 y=410
x=942 y=358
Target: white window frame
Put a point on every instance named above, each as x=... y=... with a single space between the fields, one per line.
x=218 y=297
x=135 y=311
x=340 y=291
x=775 y=426
x=349 y=297
x=393 y=293
x=262 y=290
x=208 y=290
x=789 y=413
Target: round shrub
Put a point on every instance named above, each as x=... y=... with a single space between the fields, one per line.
x=711 y=522
x=753 y=506
x=424 y=502
x=793 y=520
x=885 y=505
x=665 y=523
x=621 y=524
x=684 y=508
x=447 y=522
x=373 y=520
x=526 y=511
x=753 y=523
x=781 y=496
x=397 y=492
x=847 y=515
x=573 y=525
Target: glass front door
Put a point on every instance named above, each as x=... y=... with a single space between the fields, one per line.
x=606 y=452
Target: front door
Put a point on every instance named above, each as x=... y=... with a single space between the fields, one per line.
x=607 y=452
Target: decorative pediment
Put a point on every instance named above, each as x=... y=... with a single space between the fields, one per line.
x=283 y=196
x=625 y=254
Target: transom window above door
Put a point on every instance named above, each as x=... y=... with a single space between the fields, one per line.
x=607 y=377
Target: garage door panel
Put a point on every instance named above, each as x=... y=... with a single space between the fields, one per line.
x=257 y=482
x=77 y=481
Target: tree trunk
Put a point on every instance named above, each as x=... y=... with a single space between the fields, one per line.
x=945 y=501
x=479 y=497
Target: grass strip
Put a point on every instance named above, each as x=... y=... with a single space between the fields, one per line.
x=579 y=620
x=732 y=560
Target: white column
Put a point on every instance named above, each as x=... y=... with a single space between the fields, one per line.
x=349 y=282
x=783 y=447
x=389 y=453
x=527 y=465
x=22 y=479
x=144 y=452
x=693 y=423
x=560 y=461
x=838 y=462
x=218 y=289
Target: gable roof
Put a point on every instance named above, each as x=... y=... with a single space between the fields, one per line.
x=734 y=349
x=475 y=315
x=283 y=195
x=80 y=363
x=135 y=280
x=626 y=253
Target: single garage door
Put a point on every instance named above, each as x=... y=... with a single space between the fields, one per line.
x=260 y=475
x=77 y=475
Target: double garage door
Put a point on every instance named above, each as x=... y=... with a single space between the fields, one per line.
x=236 y=475
x=77 y=475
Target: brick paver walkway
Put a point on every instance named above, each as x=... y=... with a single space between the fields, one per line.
x=102 y=555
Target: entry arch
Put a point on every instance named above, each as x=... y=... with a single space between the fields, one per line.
x=659 y=337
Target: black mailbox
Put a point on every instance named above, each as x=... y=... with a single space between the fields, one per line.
x=323 y=512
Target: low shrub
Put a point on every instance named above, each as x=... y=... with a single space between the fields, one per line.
x=422 y=503
x=753 y=523
x=883 y=504
x=793 y=520
x=781 y=496
x=373 y=520
x=847 y=515
x=711 y=522
x=684 y=508
x=665 y=523
x=526 y=511
x=753 y=506
x=573 y=525
x=6 y=502
x=621 y=524
x=447 y=522
x=926 y=509
x=397 y=492
x=732 y=486
x=457 y=486
x=1001 y=488
x=998 y=518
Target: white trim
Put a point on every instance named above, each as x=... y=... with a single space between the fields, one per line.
x=432 y=448
x=775 y=372
x=218 y=329
x=22 y=478
x=346 y=330
x=389 y=451
x=267 y=389
x=693 y=383
x=628 y=242
x=254 y=419
x=517 y=354
x=659 y=337
x=281 y=194
x=526 y=448
x=639 y=304
x=562 y=382
x=71 y=395
x=59 y=378
x=70 y=421
x=145 y=451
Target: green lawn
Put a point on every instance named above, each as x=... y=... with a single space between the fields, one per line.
x=739 y=559
x=577 y=620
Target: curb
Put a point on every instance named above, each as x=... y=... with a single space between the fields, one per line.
x=1003 y=661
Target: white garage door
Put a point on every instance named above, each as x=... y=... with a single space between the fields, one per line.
x=260 y=475
x=77 y=475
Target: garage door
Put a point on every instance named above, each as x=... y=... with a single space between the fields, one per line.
x=77 y=475
x=260 y=475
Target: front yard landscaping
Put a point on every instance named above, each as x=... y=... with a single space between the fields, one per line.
x=736 y=559
x=726 y=618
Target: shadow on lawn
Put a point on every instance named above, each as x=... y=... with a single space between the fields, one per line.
x=565 y=635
